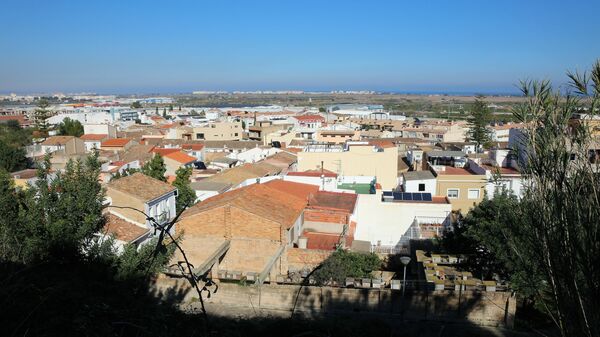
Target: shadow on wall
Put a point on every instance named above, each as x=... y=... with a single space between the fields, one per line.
x=85 y=299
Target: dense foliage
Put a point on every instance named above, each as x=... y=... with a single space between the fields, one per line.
x=342 y=264
x=13 y=140
x=547 y=243
x=186 y=196
x=155 y=168
x=70 y=127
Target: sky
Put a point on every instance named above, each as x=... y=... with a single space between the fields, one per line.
x=399 y=45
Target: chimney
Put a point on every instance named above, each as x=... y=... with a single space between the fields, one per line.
x=302 y=242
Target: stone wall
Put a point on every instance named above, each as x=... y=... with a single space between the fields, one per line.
x=481 y=308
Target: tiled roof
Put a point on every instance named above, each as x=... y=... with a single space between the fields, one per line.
x=310 y=118
x=204 y=185
x=324 y=241
x=94 y=136
x=283 y=157
x=193 y=147
x=164 y=152
x=258 y=199
x=57 y=140
x=121 y=229
x=137 y=152
x=180 y=157
x=314 y=173
x=299 y=190
x=333 y=201
x=141 y=186
x=115 y=142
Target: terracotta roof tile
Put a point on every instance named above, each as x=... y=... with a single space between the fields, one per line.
x=180 y=157
x=258 y=199
x=313 y=173
x=115 y=142
x=163 y=152
x=333 y=201
x=121 y=229
x=299 y=190
x=57 y=140
x=94 y=136
x=142 y=186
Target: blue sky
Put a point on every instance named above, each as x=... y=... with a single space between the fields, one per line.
x=398 y=45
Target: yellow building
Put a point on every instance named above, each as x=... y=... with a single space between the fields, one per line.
x=354 y=159
x=219 y=131
x=463 y=187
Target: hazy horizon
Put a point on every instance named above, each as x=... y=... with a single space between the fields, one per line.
x=436 y=47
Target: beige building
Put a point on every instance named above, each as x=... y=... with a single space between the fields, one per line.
x=66 y=144
x=462 y=186
x=354 y=159
x=262 y=129
x=219 y=131
x=336 y=136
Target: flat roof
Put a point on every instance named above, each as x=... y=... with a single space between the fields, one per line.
x=418 y=175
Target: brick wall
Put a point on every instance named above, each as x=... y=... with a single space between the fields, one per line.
x=325 y=216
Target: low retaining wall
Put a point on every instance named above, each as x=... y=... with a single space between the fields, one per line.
x=482 y=308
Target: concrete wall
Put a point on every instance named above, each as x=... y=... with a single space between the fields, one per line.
x=482 y=308
x=413 y=186
x=360 y=160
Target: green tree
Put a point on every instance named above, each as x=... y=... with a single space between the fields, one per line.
x=170 y=107
x=342 y=264
x=548 y=241
x=13 y=140
x=57 y=216
x=155 y=168
x=41 y=115
x=478 y=120
x=70 y=127
x=136 y=105
x=186 y=196
x=164 y=114
x=12 y=158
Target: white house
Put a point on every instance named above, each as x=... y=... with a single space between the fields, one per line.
x=419 y=181
x=389 y=223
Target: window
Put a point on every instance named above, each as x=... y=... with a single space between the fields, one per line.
x=199 y=136
x=236 y=134
x=452 y=193
x=421 y=187
x=473 y=194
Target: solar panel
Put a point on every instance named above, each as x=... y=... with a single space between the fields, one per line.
x=417 y=196
x=397 y=196
x=388 y=193
x=427 y=197
x=407 y=196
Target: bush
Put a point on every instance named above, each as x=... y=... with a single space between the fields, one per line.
x=342 y=264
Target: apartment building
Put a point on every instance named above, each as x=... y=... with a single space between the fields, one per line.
x=354 y=159
x=463 y=186
x=219 y=131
